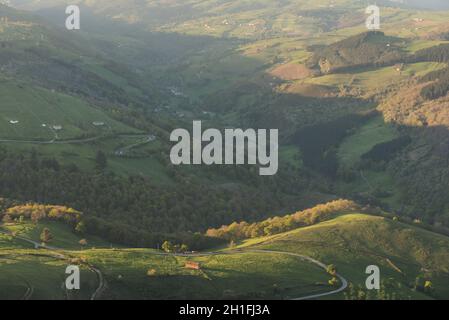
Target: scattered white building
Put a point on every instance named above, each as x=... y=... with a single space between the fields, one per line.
x=13 y=121
x=57 y=127
x=98 y=123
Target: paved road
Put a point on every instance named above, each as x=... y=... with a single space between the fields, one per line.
x=101 y=283
x=53 y=141
x=123 y=150
x=72 y=141
x=29 y=292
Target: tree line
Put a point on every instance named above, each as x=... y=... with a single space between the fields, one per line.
x=135 y=211
x=440 y=78
x=244 y=230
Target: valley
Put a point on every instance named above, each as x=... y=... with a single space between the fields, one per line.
x=86 y=119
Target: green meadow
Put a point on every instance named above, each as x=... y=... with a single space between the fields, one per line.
x=350 y=241
x=34 y=114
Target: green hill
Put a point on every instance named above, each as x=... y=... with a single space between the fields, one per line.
x=32 y=113
x=139 y=69
x=354 y=241
x=407 y=256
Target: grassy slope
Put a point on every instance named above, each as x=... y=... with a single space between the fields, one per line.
x=21 y=269
x=354 y=241
x=234 y=275
x=364 y=139
x=350 y=241
x=246 y=275
x=375 y=79
x=368 y=181
x=33 y=107
x=83 y=155
x=63 y=237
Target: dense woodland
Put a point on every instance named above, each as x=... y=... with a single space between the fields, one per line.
x=319 y=143
x=440 y=79
x=388 y=150
x=134 y=210
x=369 y=49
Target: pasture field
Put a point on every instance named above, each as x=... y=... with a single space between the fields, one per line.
x=29 y=274
x=63 y=236
x=351 y=242
x=139 y=273
x=354 y=241
x=34 y=114
x=374 y=132
x=372 y=80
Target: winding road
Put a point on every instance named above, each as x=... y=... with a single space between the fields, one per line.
x=102 y=282
x=53 y=141
x=344 y=282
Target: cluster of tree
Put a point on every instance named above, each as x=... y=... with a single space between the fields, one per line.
x=131 y=235
x=422 y=284
x=438 y=53
x=169 y=247
x=440 y=78
x=387 y=150
x=319 y=143
x=6 y=203
x=135 y=211
x=388 y=291
x=369 y=49
x=46 y=236
x=37 y=212
x=439 y=86
x=244 y=230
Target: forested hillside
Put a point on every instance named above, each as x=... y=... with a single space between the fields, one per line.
x=86 y=118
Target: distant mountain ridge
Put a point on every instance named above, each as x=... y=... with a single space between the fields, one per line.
x=428 y=4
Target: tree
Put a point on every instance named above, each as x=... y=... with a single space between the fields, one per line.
x=83 y=242
x=80 y=227
x=46 y=236
x=333 y=282
x=101 y=160
x=152 y=272
x=331 y=269
x=428 y=286
x=167 y=246
x=7 y=219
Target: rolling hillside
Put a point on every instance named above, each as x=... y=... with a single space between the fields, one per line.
x=29 y=114
x=258 y=268
x=85 y=120
x=354 y=241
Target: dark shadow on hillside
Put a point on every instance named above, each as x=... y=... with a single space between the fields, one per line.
x=246 y=99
